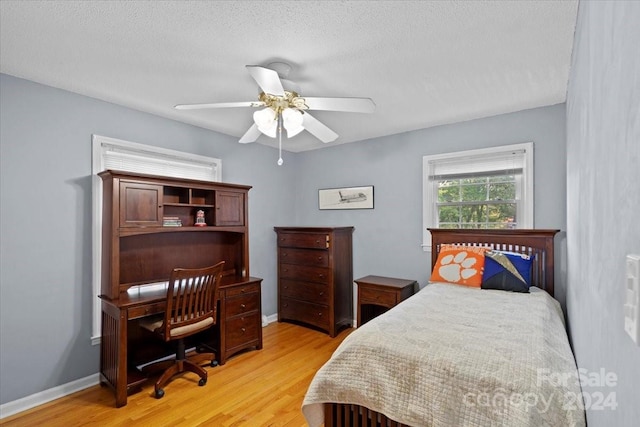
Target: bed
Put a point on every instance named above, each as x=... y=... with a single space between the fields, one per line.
x=455 y=355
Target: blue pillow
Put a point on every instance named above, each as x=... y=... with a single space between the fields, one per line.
x=507 y=271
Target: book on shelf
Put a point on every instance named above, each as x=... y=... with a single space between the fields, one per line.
x=171 y=221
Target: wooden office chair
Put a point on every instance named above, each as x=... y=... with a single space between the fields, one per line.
x=191 y=308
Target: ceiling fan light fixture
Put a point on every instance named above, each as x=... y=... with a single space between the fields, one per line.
x=282 y=106
x=292 y=120
x=266 y=121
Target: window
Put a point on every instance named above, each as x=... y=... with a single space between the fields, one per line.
x=109 y=153
x=485 y=188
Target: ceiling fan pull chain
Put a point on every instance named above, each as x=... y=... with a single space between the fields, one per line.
x=280 y=161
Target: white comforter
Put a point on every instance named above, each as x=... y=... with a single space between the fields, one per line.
x=457 y=356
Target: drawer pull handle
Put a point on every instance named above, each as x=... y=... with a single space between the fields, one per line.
x=243 y=330
x=321 y=293
x=319 y=314
x=319 y=258
x=243 y=290
x=321 y=275
x=243 y=306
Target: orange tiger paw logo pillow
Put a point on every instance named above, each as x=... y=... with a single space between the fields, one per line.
x=462 y=265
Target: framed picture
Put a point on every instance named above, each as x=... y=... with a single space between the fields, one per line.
x=346 y=198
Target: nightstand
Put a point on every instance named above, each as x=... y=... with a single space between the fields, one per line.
x=377 y=294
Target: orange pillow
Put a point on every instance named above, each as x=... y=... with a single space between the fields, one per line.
x=462 y=265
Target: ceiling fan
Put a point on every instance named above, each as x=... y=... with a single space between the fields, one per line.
x=285 y=107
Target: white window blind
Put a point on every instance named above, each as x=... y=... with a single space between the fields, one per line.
x=511 y=161
x=115 y=154
x=478 y=189
x=131 y=159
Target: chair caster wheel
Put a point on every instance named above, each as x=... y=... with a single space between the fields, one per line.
x=159 y=393
x=202 y=382
x=214 y=363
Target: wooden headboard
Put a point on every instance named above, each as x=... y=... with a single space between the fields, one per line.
x=536 y=243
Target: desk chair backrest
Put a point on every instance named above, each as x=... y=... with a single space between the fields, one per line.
x=192 y=301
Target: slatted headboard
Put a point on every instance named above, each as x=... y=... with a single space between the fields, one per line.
x=536 y=243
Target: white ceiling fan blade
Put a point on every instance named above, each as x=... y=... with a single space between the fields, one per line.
x=251 y=135
x=267 y=79
x=352 y=105
x=316 y=128
x=219 y=105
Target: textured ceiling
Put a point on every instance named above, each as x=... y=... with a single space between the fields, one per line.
x=424 y=63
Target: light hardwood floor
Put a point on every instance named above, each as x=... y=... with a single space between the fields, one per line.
x=255 y=388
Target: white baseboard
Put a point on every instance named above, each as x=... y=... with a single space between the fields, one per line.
x=269 y=319
x=28 y=402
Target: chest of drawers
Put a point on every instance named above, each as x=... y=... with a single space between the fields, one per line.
x=315 y=276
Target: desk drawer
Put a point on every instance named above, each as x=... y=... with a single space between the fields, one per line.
x=242 y=289
x=241 y=304
x=374 y=296
x=299 y=240
x=241 y=330
x=145 y=310
x=304 y=257
x=305 y=273
x=314 y=292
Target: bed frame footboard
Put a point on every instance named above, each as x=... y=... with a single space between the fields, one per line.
x=343 y=415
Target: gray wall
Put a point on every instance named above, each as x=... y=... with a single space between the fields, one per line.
x=387 y=239
x=603 y=201
x=45 y=223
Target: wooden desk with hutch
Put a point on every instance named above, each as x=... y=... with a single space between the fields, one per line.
x=139 y=252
